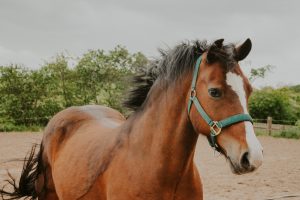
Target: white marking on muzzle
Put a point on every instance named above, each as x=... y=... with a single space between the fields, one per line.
x=254 y=146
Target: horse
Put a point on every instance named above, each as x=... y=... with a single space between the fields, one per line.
x=94 y=152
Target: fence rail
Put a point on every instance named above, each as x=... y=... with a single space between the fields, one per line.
x=273 y=127
x=270 y=127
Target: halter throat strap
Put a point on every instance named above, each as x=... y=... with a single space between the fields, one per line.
x=215 y=126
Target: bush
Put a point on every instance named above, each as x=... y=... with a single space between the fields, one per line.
x=273 y=103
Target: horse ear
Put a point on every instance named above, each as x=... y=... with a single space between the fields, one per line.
x=211 y=57
x=219 y=43
x=243 y=50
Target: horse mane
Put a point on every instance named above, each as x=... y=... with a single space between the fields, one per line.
x=172 y=64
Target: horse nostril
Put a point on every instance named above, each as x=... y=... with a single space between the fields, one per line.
x=245 y=160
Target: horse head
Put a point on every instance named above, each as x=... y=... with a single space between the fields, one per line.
x=218 y=102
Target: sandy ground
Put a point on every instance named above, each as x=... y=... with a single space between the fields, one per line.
x=277 y=178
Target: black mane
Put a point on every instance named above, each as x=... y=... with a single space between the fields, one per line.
x=172 y=64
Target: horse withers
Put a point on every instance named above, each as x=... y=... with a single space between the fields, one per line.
x=93 y=152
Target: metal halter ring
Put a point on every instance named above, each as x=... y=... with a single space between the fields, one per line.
x=193 y=93
x=215 y=129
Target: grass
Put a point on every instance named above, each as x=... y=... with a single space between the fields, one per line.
x=9 y=127
x=293 y=133
x=260 y=132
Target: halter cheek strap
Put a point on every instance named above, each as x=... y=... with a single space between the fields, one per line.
x=215 y=126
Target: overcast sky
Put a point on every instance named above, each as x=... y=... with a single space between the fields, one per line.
x=32 y=31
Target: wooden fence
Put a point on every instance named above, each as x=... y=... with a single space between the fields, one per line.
x=271 y=127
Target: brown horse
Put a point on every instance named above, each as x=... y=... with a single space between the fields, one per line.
x=93 y=152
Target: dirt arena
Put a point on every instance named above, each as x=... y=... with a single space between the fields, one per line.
x=277 y=178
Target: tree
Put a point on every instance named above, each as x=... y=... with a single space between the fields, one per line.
x=273 y=103
x=62 y=79
x=22 y=90
x=294 y=96
x=260 y=72
x=102 y=77
x=295 y=88
x=31 y=97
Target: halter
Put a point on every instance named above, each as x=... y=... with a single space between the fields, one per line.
x=215 y=126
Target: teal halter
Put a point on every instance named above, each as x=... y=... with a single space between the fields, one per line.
x=215 y=126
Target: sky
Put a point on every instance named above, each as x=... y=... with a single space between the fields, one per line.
x=34 y=31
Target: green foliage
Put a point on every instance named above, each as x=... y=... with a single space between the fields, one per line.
x=294 y=95
x=29 y=98
x=260 y=72
x=295 y=88
x=21 y=92
x=60 y=82
x=288 y=131
x=260 y=132
x=291 y=133
x=9 y=127
x=102 y=78
x=273 y=103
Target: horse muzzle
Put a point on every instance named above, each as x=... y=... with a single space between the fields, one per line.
x=247 y=163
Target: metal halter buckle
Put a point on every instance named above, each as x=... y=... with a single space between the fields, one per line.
x=193 y=93
x=215 y=129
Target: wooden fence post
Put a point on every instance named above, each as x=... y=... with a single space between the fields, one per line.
x=269 y=125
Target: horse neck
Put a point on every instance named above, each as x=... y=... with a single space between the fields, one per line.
x=162 y=131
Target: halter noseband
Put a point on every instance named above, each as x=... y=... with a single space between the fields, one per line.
x=215 y=126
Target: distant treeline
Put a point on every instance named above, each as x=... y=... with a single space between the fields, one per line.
x=282 y=104
x=30 y=97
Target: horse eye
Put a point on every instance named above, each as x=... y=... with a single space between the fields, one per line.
x=215 y=92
